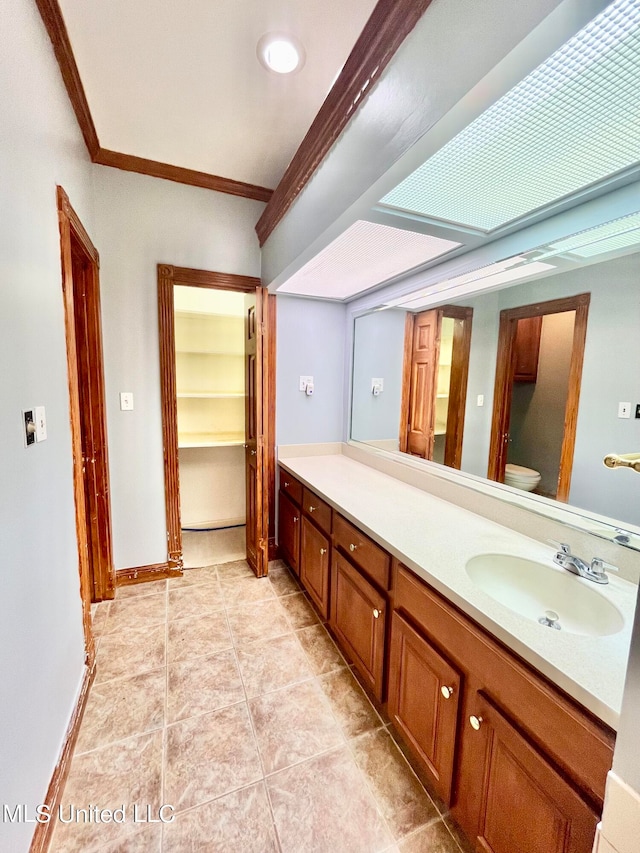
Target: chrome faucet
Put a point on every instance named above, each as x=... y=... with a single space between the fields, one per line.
x=594 y=572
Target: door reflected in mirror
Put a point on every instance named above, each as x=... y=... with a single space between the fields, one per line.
x=547 y=404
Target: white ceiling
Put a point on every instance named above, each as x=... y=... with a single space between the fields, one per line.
x=180 y=82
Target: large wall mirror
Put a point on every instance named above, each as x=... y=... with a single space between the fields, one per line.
x=522 y=385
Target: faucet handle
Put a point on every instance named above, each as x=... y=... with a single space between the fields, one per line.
x=599 y=565
x=561 y=547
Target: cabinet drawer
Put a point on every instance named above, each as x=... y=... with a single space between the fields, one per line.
x=579 y=744
x=316 y=509
x=291 y=486
x=364 y=552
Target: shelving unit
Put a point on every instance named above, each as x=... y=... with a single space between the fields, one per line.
x=209 y=379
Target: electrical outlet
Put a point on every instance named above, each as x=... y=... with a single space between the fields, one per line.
x=304 y=381
x=41 y=424
x=624 y=410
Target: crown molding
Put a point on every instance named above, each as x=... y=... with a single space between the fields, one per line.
x=53 y=20
x=389 y=24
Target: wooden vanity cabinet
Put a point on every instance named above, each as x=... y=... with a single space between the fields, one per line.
x=314 y=565
x=289 y=531
x=529 y=766
x=359 y=619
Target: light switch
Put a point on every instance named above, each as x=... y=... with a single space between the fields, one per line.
x=377 y=387
x=624 y=410
x=126 y=401
x=481 y=399
x=41 y=424
x=304 y=381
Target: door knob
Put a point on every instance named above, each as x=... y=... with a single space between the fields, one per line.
x=447 y=692
x=476 y=722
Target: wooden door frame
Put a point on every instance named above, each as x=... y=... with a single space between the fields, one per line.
x=102 y=583
x=168 y=277
x=504 y=383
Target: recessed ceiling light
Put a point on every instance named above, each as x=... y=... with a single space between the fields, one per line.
x=280 y=53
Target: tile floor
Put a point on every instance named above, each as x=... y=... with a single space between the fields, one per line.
x=223 y=696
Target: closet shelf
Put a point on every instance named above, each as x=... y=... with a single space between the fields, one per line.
x=210 y=439
x=226 y=352
x=209 y=395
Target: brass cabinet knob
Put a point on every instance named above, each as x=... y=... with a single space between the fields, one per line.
x=377 y=613
x=323 y=550
x=313 y=508
x=352 y=547
x=286 y=485
x=296 y=519
x=476 y=722
x=447 y=692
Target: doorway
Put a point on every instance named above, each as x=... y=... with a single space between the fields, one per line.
x=536 y=396
x=216 y=350
x=81 y=295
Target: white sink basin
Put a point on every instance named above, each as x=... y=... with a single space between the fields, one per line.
x=531 y=589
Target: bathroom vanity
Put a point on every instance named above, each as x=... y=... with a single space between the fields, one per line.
x=509 y=722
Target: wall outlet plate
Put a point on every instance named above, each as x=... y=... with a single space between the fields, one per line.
x=41 y=423
x=624 y=410
x=126 y=401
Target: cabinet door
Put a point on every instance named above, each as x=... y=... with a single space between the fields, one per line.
x=289 y=531
x=358 y=617
x=527 y=349
x=424 y=693
x=314 y=565
x=526 y=804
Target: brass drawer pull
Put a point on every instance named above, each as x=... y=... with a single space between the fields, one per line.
x=376 y=613
x=313 y=508
x=286 y=485
x=352 y=547
x=296 y=519
x=476 y=722
x=323 y=550
x=447 y=692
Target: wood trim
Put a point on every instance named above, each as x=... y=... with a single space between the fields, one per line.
x=406 y=382
x=143 y=574
x=458 y=384
x=53 y=20
x=504 y=383
x=168 y=276
x=389 y=24
x=191 y=177
x=56 y=28
x=43 y=833
x=270 y=420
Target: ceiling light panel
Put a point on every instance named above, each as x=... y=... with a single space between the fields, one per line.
x=618 y=234
x=570 y=123
x=366 y=254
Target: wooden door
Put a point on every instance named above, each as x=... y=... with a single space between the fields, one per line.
x=314 y=565
x=424 y=694
x=358 y=617
x=526 y=804
x=256 y=475
x=424 y=360
x=527 y=349
x=289 y=531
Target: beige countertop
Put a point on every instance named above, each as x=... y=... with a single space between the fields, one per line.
x=435 y=539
